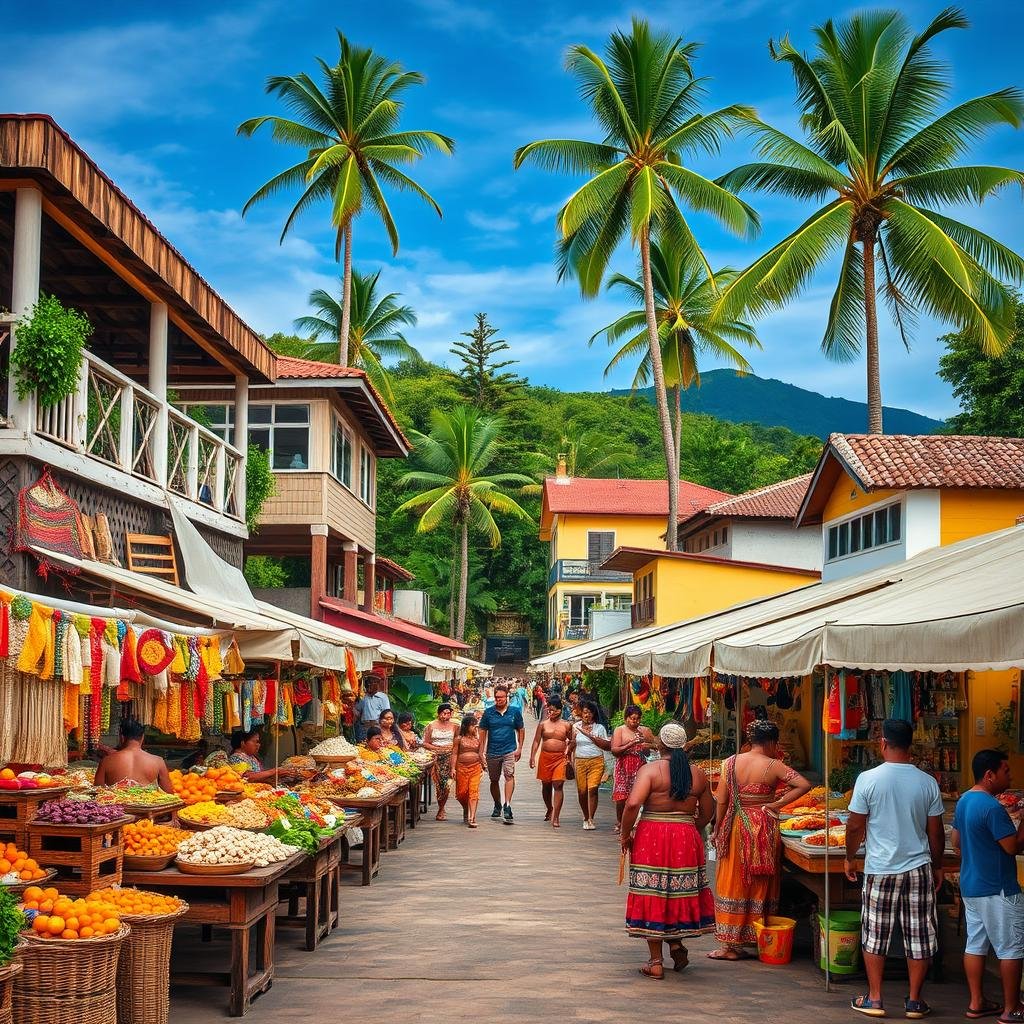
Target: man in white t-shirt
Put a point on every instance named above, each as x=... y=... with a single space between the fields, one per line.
x=899 y=807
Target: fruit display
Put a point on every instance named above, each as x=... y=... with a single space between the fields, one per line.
x=78 y=812
x=28 y=780
x=814 y=800
x=334 y=746
x=132 y=795
x=136 y=902
x=144 y=839
x=297 y=807
x=808 y=823
x=79 y=778
x=17 y=867
x=224 y=845
x=205 y=783
x=421 y=757
x=54 y=916
x=836 y=838
x=244 y=814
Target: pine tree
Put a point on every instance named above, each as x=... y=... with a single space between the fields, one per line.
x=483 y=381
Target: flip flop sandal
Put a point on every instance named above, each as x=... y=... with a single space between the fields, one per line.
x=1017 y=1017
x=989 y=1008
x=915 y=1009
x=738 y=955
x=869 y=1007
x=680 y=957
x=648 y=970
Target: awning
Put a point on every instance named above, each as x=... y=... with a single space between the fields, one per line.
x=435 y=670
x=363 y=649
x=476 y=666
x=579 y=656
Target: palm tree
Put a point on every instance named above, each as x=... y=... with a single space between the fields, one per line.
x=644 y=97
x=458 y=492
x=372 y=330
x=684 y=297
x=348 y=128
x=883 y=157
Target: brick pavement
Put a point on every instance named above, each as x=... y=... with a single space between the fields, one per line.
x=520 y=923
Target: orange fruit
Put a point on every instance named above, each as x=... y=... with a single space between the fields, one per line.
x=46 y=906
x=69 y=933
x=7 y=774
x=33 y=892
x=40 y=924
x=72 y=923
x=51 y=893
x=55 y=925
x=86 y=932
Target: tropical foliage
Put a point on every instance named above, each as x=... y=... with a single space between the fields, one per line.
x=645 y=98
x=883 y=159
x=347 y=124
x=483 y=379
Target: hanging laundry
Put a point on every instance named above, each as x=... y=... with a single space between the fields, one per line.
x=901 y=705
x=831 y=719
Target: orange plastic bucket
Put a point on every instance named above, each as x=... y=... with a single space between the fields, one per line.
x=775 y=940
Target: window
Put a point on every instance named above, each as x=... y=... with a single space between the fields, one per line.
x=620 y=602
x=218 y=418
x=367 y=485
x=725 y=534
x=342 y=461
x=579 y=609
x=283 y=430
x=600 y=544
x=864 y=532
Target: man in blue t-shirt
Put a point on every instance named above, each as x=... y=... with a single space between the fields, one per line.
x=993 y=904
x=502 y=730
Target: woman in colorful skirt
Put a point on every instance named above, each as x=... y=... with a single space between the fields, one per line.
x=439 y=738
x=669 y=899
x=630 y=743
x=468 y=769
x=746 y=836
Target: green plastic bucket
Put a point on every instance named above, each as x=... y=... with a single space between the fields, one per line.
x=843 y=945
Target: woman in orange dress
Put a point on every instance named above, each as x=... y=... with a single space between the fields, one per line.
x=746 y=837
x=468 y=769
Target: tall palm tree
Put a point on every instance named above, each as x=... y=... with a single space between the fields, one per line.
x=883 y=157
x=372 y=329
x=684 y=297
x=645 y=99
x=348 y=126
x=458 y=491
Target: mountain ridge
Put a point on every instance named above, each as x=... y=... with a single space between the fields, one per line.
x=776 y=403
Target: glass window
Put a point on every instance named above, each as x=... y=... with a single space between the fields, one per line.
x=833 y=542
x=882 y=527
x=894 y=522
x=867 y=531
x=261 y=414
x=218 y=418
x=854 y=536
x=844 y=539
x=342 y=467
x=725 y=534
x=288 y=445
x=367 y=485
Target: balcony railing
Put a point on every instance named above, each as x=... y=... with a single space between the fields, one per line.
x=642 y=612
x=115 y=421
x=568 y=570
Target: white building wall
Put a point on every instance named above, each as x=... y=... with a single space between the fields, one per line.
x=774 y=543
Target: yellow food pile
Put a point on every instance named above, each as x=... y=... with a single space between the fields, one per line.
x=144 y=839
x=244 y=814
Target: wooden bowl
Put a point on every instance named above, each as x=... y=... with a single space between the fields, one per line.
x=148 y=863
x=333 y=758
x=19 y=887
x=214 y=869
x=228 y=796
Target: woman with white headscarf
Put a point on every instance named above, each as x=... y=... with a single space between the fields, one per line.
x=669 y=899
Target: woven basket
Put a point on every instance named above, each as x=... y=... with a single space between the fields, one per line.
x=7 y=975
x=33 y=1009
x=73 y=967
x=144 y=969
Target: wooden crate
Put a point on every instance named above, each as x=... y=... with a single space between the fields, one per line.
x=18 y=808
x=86 y=857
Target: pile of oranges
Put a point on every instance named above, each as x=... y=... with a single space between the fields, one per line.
x=144 y=839
x=193 y=788
x=13 y=859
x=135 y=902
x=60 y=917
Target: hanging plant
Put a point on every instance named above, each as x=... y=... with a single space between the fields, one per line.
x=260 y=484
x=48 y=355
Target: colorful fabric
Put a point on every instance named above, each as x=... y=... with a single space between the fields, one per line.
x=467 y=781
x=48 y=518
x=551 y=766
x=627 y=766
x=907 y=898
x=669 y=897
x=442 y=772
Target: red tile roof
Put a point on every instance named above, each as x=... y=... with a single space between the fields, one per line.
x=389 y=567
x=379 y=624
x=897 y=461
x=624 y=497
x=776 y=501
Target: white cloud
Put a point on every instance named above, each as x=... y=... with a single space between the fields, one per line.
x=488 y=223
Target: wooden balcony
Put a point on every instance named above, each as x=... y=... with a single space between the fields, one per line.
x=642 y=612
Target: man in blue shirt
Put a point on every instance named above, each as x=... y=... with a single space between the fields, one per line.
x=371 y=707
x=993 y=904
x=502 y=731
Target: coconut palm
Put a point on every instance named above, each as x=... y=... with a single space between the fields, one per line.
x=348 y=126
x=645 y=99
x=883 y=157
x=372 y=329
x=684 y=297
x=458 y=492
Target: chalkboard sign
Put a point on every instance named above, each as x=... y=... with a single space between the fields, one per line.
x=507 y=649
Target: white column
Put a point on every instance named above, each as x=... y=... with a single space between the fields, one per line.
x=158 y=386
x=240 y=437
x=28 y=231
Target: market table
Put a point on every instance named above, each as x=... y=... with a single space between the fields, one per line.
x=415 y=800
x=374 y=826
x=317 y=880
x=395 y=816
x=239 y=903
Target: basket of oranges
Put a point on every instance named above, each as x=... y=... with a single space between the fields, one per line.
x=18 y=869
x=150 y=847
x=143 y=972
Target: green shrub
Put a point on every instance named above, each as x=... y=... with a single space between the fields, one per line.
x=48 y=355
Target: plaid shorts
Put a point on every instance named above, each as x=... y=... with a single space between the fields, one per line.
x=503 y=765
x=907 y=898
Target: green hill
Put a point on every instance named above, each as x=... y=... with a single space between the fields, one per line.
x=774 y=403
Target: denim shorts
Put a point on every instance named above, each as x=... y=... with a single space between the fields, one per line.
x=996 y=921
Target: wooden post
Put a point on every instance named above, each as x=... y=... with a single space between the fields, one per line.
x=158 y=386
x=369 y=582
x=192 y=463
x=317 y=569
x=126 y=432
x=241 y=439
x=28 y=233
x=350 y=591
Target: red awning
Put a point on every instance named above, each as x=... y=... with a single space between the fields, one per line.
x=408 y=634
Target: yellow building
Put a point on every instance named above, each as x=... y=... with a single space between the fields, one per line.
x=584 y=520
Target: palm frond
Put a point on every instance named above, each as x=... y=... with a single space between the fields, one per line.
x=957 y=184
x=570 y=155
x=844 y=331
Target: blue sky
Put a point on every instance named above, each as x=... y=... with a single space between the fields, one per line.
x=155 y=98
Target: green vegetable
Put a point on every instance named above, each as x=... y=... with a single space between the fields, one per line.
x=302 y=833
x=12 y=922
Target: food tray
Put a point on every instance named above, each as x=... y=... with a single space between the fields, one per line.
x=147 y=863
x=333 y=758
x=144 y=809
x=22 y=886
x=227 y=796
x=187 y=868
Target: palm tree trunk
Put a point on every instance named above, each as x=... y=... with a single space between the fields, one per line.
x=460 y=629
x=346 y=297
x=660 y=396
x=677 y=395
x=871 y=322
x=452 y=582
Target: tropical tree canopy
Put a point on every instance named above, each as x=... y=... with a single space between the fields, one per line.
x=884 y=160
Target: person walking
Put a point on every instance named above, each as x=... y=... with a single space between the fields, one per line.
x=439 y=739
x=586 y=751
x=538 y=701
x=468 y=769
x=552 y=737
x=988 y=845
x=503 y=731
x=898 y=808
x=630 y=743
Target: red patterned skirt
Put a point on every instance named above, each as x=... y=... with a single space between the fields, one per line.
x=626 y=769
x=669 y=897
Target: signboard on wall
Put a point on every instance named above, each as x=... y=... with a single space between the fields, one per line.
x=507 y=649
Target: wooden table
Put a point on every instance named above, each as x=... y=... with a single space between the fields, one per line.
x=243 y=904
x=428 y=787
x=395 y=815
x=374 y=826
x=415 y=800
x=159 y=814
x=316 y=879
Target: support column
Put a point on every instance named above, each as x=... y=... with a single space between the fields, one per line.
x=157 y=384
x=317 y=569
x=369 y=582
x=28 y=233
x=350 y=590
x=241 y=437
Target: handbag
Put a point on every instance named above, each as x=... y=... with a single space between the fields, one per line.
x=570 y=771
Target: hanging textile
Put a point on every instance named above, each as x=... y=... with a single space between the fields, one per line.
x=48 y=518
x=831 y=720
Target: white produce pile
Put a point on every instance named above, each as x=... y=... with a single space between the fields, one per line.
x=335 y=746
x=227 y=845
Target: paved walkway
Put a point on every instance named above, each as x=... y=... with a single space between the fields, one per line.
x=520 y=923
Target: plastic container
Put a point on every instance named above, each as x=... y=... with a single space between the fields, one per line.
x=775 y=940
x=843 y=948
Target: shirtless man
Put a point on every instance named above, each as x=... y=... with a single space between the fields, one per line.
x=552 y=737
x=132 y=762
